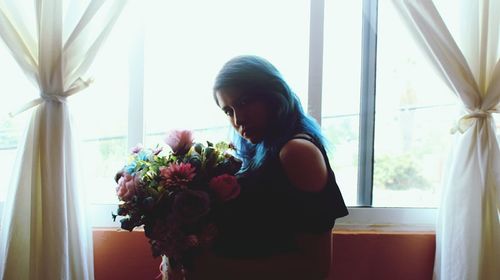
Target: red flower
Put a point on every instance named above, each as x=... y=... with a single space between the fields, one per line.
x=178 y=174
x=225 y=186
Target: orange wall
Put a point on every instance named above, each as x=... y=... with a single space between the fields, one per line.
x=123 y=255
x=358 y=255
x=371 y=255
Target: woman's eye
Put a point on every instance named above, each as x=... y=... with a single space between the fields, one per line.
x=228 y=112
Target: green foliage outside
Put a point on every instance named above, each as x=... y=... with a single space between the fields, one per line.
x=398 y=172
x=8 y=135
x=340 y=131
x=111 y=152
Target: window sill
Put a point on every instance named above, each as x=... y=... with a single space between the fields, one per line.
x=359 y=218
x=386 y=219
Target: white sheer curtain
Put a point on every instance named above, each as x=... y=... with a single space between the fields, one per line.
x=44 y=234
x=468 y=228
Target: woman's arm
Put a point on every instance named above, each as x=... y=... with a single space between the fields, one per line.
x=306 y=169
x=304 y=165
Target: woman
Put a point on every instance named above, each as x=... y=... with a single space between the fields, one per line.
x=279 y=227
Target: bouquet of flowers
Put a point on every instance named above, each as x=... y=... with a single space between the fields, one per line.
x=171 y=194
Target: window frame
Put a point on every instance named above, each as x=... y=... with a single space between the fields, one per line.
x=362 y=216
x=367 y=109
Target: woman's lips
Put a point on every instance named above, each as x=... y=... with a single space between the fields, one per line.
x=246 y=132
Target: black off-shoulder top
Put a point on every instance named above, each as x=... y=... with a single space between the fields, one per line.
x=269 y=211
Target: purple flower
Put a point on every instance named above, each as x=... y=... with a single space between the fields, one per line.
x=180 y=141
x=157 y=150
x=190 y=205
x=136 y=149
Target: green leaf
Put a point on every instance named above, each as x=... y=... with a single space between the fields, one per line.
x=222 y=146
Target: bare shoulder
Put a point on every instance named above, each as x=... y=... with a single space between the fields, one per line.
x=304 y=165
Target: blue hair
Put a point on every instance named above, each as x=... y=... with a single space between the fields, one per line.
x=256 y=76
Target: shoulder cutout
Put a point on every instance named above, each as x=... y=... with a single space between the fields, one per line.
x=304 y=165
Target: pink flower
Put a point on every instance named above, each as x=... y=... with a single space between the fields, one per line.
x=225 y=186
x=127 y=185
x=178 y=174
x=180 y=141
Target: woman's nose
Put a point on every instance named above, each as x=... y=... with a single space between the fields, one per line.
x=239 y=118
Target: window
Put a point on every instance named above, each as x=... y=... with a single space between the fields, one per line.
x=415 y=112
x=180 y=45
x=340 y=93
x=383 y=109
x=13 y=84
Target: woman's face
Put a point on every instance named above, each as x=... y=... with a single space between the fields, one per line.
x=248 y=114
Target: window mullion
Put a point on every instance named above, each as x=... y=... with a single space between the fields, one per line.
x=315 y=83
x=136 y=85
x=367 y=109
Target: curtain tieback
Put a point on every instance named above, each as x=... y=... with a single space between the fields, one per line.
x=77 y=86
x=466 y=121
x=51 y=97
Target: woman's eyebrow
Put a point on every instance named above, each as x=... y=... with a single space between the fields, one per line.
x=232 y=103
x=241 y=98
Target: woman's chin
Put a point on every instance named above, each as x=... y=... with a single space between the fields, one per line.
x=253 y=140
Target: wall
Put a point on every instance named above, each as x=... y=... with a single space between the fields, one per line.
x=373 y=255
x=358 y=255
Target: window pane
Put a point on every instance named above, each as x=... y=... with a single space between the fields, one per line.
x=341 y=91
x=187 y=42
x=101 y=113
x=414 y=113
x=16 y=90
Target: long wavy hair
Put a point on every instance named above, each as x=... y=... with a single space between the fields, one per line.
x=256 y=76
